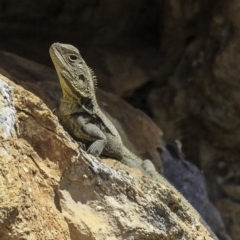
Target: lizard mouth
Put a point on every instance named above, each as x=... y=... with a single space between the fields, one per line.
x=56 y=56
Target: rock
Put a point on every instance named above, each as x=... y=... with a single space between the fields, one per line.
x=33 y=148
x=190 y=181
x=58 y=191
x=34 y=77
x=124 y=74
x=199 y=102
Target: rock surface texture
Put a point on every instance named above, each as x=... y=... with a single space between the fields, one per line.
x=51 y=189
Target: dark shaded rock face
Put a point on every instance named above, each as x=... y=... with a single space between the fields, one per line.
x=189 y=180
x=177 y=60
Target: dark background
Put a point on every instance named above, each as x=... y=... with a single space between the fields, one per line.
x=176 y=60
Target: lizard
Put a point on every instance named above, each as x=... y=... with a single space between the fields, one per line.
x=81 y=116
x=79 y=112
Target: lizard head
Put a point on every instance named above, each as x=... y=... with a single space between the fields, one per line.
x=76 y=78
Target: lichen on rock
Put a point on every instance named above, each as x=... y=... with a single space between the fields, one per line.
x=7 y=111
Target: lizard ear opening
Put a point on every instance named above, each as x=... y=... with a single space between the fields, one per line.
x=94 y=78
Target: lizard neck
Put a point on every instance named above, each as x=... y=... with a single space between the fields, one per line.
x=68 y=106
x=68 y=103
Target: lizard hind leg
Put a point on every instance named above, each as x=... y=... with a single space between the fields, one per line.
x=129 y=162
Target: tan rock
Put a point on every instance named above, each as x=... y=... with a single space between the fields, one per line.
x=50 y=189
x=31 y=167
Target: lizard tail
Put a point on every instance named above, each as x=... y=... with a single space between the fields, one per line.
x=131 y=156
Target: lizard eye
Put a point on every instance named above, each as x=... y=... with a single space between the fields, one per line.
x=72 y=58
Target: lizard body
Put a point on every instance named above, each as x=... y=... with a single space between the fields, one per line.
x=81 y=116
x=78 y=110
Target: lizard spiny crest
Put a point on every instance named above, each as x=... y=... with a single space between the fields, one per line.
x=94 y=78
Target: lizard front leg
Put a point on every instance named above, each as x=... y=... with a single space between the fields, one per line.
x=94 y=134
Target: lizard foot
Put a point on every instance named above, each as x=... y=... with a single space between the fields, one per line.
x=149 y=168
x=82 y=146
x=96 y=148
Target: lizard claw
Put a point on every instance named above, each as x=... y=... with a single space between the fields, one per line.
x=93 y=151
x=149 y=168
x=82 y=146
